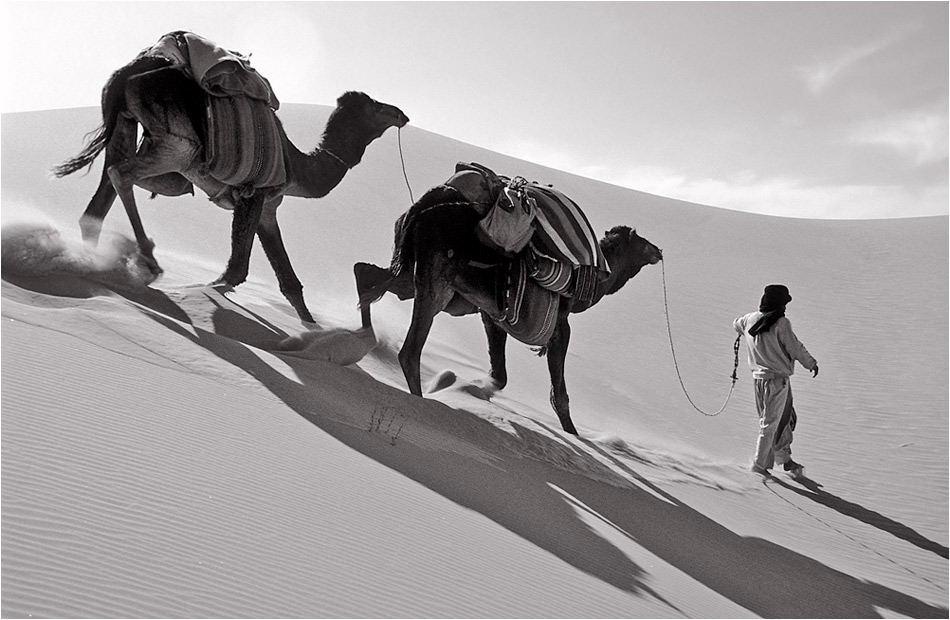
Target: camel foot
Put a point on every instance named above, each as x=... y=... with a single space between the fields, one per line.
x=91 y=228
x=153 y=268
x=146 y=269
x=498 y=379
x=146 y=261
x=568 y=427
x=566 y=423
x=229 y=280
x=221 y=284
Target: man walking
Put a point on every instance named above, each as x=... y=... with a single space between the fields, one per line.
x=773 y=351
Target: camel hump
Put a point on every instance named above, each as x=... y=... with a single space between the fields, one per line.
x=479 y=184
x=473 y=186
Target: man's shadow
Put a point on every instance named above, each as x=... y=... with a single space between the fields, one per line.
x=817 y=494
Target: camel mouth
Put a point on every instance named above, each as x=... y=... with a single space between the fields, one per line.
x=401 y=120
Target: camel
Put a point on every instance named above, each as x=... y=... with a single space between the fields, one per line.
x=442 y=265
x=171 y=108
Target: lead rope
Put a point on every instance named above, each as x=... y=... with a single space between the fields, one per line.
x=403 y=161
x=669 y=330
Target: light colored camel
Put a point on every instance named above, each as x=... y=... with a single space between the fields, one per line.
x=170 y=107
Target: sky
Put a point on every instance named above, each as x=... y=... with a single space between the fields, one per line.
x=800 y=109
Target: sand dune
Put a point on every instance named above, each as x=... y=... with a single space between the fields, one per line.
x=172 y=449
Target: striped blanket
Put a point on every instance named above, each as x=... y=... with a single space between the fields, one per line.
x=564 y=232
x=244 y=143
x=569 y=260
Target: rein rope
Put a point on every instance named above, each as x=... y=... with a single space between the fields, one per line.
x=669 y=330
x=335 y=156
x=403 y=161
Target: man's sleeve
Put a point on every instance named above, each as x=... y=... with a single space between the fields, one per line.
x=795 y=349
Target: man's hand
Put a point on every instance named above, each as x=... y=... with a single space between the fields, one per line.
x=814 y=371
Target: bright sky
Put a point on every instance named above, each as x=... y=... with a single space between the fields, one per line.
x=801 y=109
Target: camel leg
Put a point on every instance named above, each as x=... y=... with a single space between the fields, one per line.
x=372 y=283
x=432 y=295
x=90 y=223
x=557 y=353
x=121 y=146
x=246 y=220
x=269 y=233
x=154 y=158
x=497 y=337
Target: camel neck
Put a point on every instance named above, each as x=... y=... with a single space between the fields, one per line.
x=315 y=174
x=619 y=275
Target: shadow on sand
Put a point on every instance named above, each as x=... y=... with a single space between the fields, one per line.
x=498 y=479
x=817 y=494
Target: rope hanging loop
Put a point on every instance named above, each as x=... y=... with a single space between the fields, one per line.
x=679 y=376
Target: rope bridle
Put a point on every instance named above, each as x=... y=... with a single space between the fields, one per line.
x=336 y=157
x=669 y=330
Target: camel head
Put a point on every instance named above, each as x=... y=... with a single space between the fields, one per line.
x=635 y=250
x=361 y=114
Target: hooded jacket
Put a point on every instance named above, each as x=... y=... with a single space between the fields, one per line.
x=772 y=354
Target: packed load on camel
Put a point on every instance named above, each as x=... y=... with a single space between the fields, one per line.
x=541 y=224
x=220 y=72
x=244 y=142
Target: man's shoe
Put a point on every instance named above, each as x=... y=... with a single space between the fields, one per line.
x=760 y=470
x=793 y=469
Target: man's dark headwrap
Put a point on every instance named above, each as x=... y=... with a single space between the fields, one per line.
x=772 y=305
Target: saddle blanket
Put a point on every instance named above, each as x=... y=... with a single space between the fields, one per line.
x=563 y=231
x=244 y=143
x=568 y=258
x=531 y=311
x=218 y=71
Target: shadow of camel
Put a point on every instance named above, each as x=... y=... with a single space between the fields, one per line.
x=497 y=477
x=732 y=565
x=814 y=492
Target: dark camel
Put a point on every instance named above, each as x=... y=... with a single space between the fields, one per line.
x=171 y=109
x=436 y=247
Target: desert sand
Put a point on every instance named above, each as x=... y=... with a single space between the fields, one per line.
x=178 y=450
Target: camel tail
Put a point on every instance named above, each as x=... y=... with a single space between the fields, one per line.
x=403 y=256
x=404 y=234
x=113 y=103
x=372 y=282
x=95 y=142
